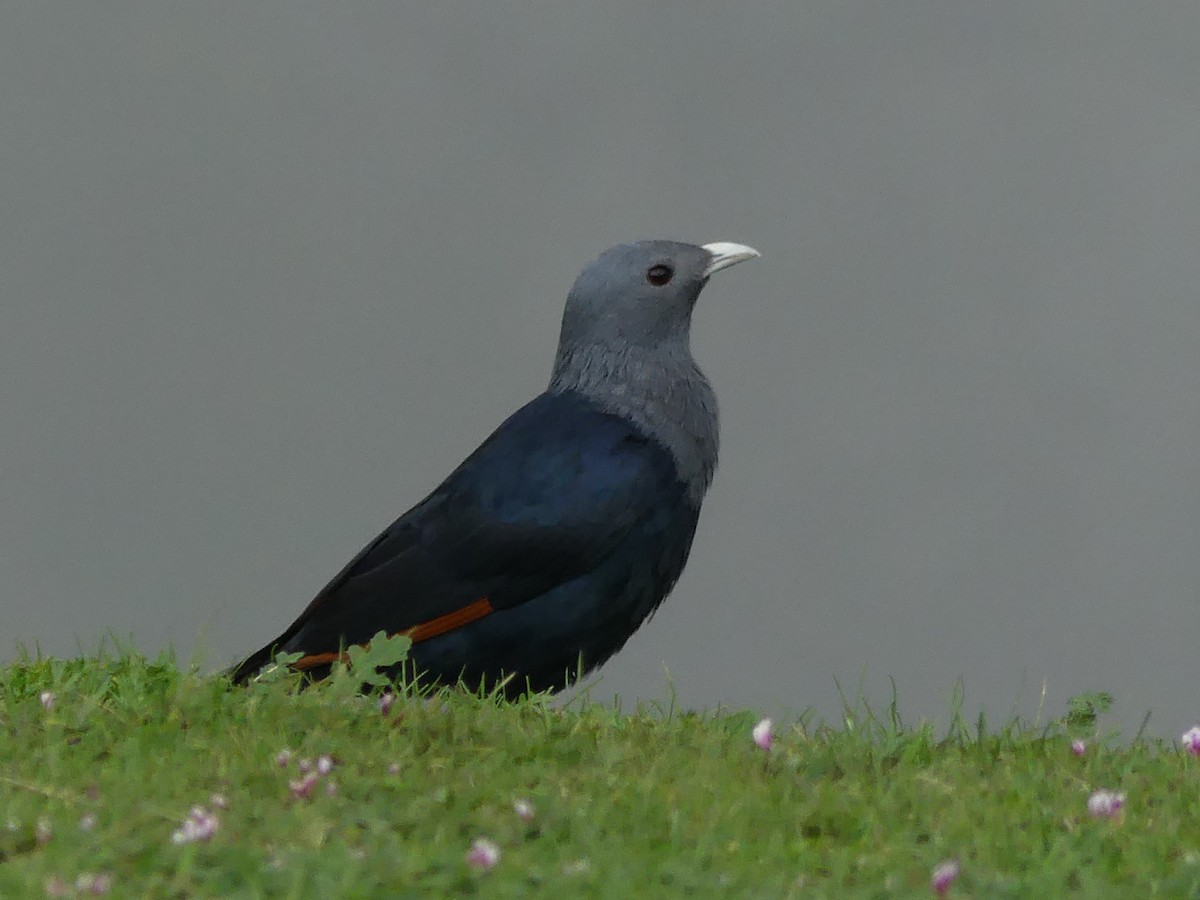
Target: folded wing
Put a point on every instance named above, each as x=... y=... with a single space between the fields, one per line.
x=542 y=501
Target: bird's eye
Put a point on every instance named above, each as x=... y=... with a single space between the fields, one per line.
x=659 y=275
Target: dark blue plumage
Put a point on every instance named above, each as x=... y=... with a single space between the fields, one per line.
x=549 y=545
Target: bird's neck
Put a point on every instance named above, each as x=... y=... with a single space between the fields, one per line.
x=661 y=390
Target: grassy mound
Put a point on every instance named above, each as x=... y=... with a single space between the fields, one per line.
x=129 y=776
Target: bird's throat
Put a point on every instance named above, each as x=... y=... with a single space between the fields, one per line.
x=663 y=393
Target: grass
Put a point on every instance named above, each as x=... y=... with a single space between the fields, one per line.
x=658 y=803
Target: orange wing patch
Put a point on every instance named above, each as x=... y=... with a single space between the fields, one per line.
x=421 y=632
x=449 y=622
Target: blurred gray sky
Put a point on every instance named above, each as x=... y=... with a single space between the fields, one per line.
x=270 y=270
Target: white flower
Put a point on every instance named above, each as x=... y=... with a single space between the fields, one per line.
x=524 y=810
x=943 y=876
x=1191 y=740
x=1105 y=804
x=200 y=825
x=763 y=734
x=484 y=854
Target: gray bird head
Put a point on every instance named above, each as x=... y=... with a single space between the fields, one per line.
x=642 y=294
x=625 y=345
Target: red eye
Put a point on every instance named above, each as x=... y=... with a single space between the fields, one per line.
x=659 y=275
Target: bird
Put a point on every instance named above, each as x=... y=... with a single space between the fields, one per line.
x=537 y=558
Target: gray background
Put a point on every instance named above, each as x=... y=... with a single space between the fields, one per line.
x=270 y=270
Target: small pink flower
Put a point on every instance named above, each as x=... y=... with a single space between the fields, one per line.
x=87 y=822
x=394 y=768
x=524 y=810
x=57 y=887
x=484 y=854
x=305 y=766
x=386 y=701
x=47 y=698
x=96 y=885
x=764 y=734
x=943 y=876
x=1106 y=804
x=1191 y=740
x=200 y=825
x=283 y=757
x=302 y=788
x=218 y=801
x=324 y=765
x=1078 y=747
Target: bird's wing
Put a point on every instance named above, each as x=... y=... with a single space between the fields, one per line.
x=546 y=497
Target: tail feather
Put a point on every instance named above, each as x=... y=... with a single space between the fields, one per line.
x=251 y=665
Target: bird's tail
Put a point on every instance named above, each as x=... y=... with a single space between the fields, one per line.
x=250 y=666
